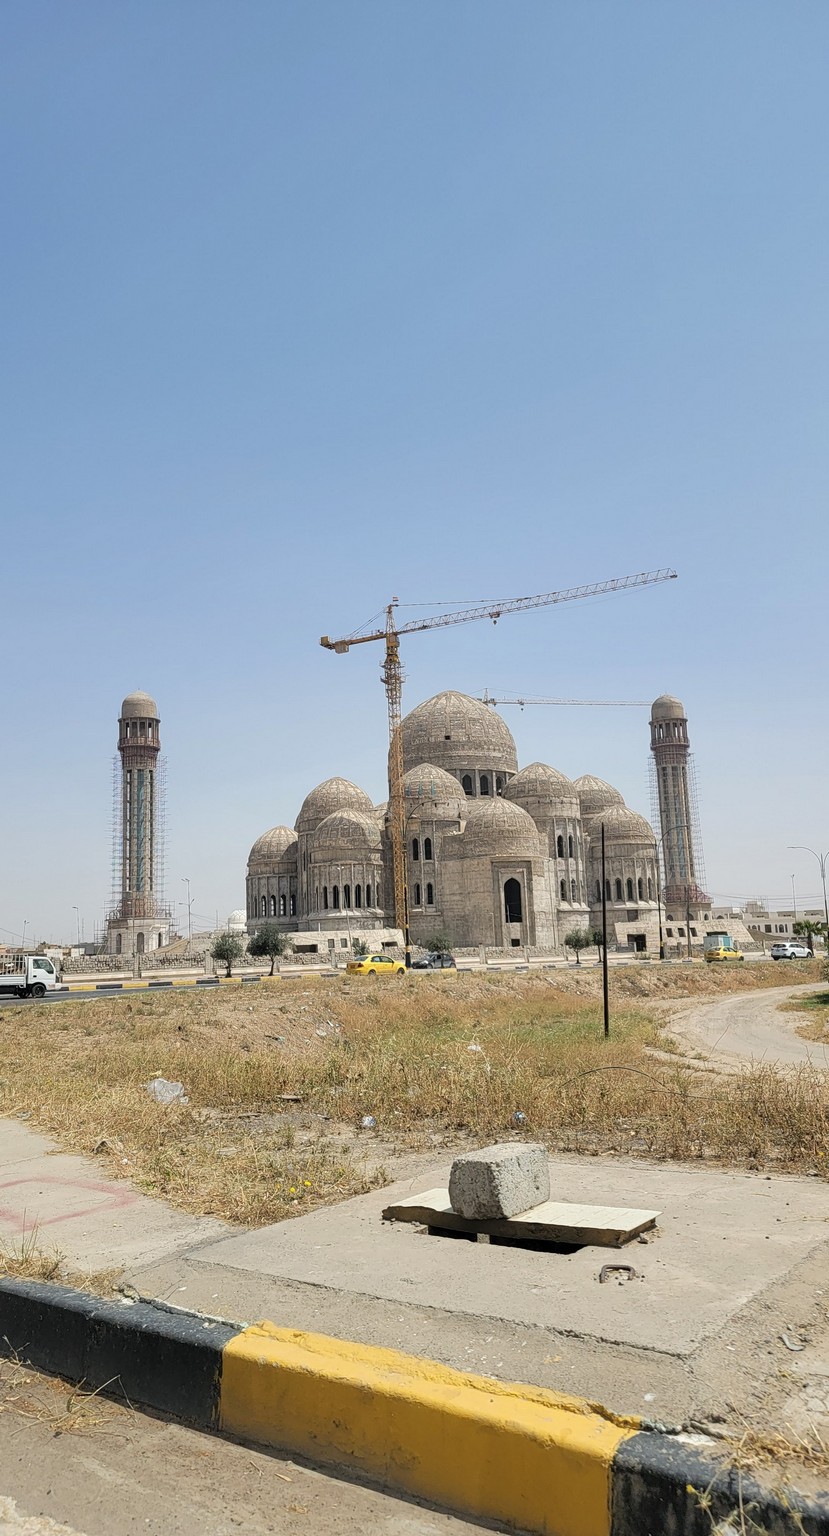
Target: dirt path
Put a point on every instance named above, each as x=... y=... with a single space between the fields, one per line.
x=747 y=1026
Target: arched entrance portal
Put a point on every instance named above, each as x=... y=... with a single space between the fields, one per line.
x=512 y=901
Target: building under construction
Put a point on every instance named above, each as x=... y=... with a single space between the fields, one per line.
x=138 y=920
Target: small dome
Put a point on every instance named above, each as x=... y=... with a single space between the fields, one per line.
x=497 y=829
x=237 y=922
x=595 y=795
x=434 y=789
x=278 y=846
x=622 y=825
x=666 y=707
x=139 y=706
x=538 y=781
x=459 y=734
x=346 y=835
x=332 y=795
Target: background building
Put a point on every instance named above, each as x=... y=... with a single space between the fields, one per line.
x=138 y=920
x=495 y=856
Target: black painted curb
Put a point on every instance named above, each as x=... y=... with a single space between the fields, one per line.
x=664 y=1486
x=166 y=1360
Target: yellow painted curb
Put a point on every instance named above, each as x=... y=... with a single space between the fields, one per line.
x=517 y=1454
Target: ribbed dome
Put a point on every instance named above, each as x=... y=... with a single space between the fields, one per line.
x=458 y=734
x=495 y=828
x=236 y=922
x=622 y=825
x=434 y=789
x=666 y=707
x=595 y=795
x=278 y=846
x=139 y=706
x=332 y=795
x=538 y=781
x=347 y=835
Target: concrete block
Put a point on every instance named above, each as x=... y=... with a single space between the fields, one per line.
x=499 y=1181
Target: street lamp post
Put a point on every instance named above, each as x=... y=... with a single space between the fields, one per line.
x=186 y=882
x=23 y=940
x=659 y=903
x=823 y=859
x=605 y=987
x=77 y=912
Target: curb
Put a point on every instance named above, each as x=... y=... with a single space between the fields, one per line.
x=136 y=984
x=517 y=1455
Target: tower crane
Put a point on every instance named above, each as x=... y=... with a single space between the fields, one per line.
x=392 y=674
x=487 y=698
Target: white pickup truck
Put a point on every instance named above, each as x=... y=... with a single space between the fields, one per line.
x=27 y=975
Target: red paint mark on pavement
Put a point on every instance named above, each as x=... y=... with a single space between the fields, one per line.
x=118 y=1200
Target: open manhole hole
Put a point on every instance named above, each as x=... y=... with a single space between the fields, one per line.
x=533 y=1244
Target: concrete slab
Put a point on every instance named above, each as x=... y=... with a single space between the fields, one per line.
x=97 y=1223
x=722 y=1239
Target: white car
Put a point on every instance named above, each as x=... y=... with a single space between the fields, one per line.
x=790 y=951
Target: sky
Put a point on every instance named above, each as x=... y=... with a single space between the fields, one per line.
x=307 y=304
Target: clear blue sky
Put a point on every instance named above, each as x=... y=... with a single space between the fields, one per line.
x=306 y=304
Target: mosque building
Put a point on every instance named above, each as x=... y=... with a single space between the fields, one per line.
x=496 y=856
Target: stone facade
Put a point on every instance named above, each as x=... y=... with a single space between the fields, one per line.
x=494 y=856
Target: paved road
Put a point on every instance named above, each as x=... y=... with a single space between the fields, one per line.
x=104 y=1470
x=749 y=1026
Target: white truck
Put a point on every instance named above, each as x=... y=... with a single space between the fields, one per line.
x=28 y=975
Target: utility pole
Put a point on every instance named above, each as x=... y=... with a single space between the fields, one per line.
x=77 y=913
x=605 y=988
x=794 y=903
x=659 y=904
x=688 y=918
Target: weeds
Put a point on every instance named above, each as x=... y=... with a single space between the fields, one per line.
x=280 y=1078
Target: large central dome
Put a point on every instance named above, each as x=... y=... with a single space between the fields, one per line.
x=458 y=734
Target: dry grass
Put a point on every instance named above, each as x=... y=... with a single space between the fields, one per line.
x=816 y=1009
x=48 y=1400
x=26 y=1260
x=436 y=1060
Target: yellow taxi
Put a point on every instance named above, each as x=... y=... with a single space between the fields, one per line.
x=720 y=946
x=375 y=965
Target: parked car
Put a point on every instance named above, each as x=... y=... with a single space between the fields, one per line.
x=723 y=952
x=375 y=965
x=435 y=962
x=790 y=951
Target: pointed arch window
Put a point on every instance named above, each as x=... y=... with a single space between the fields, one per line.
x=466 y=784
x=572 y=890
x=427 y=848
x=562 y=889
x=570 y=846
x=358 y=896
x=415 y=850
x=598 y=890
x=640 y=885
x=430 y=895
x=368 y=895
x=273 y=906
x=618 y=890
x=335 y=898
x=650 y=889
x=283 y=906
x=417 y=895
x=629 y=889
x=263 y=906
x=346 y=895
x=484 y=783
x=512 y=901
x=560 y=846
x=325 y=898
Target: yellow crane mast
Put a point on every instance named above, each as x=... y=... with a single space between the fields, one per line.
x=392 y=674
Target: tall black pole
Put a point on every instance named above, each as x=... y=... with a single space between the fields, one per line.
x=605 y=994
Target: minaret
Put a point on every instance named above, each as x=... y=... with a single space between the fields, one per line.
x=681 y=855
x=138 y=922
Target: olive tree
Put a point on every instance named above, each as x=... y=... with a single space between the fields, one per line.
x=269 y=942
x=579 y=939
x=227 y=948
